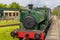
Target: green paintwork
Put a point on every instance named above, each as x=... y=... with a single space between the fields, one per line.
x=39 y=15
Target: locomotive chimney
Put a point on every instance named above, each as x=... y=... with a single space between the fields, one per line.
x=30 y=6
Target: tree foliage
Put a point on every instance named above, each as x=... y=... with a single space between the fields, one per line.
x=56 y=10
x=12 y=5
x=45 y=6
x=3 y=5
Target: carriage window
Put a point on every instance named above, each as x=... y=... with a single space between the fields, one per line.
x=13 y=14
x=16 y=14
x=9 y=14
x=6 y=14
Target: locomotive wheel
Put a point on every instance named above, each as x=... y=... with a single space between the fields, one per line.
x=37 y=36
x=21 y=39
x=12 y=34
x=29 y=22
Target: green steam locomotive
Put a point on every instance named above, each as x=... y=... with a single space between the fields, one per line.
x=34 y=23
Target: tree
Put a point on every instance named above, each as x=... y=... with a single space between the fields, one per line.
x=56 y=10
x=3 y=5
x=14 y=5
x=45 y=6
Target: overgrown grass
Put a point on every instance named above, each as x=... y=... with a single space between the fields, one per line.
x=5 y=32
x=5 y=22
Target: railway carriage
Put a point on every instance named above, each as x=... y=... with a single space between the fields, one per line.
x=34 y=23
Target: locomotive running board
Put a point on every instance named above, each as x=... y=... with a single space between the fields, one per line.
x=47 y=28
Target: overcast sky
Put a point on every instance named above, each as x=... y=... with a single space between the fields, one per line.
x=48 y=3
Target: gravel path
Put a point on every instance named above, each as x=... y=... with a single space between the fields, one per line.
x=54 y=31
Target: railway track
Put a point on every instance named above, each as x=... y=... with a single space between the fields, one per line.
x=9 y=25
x=53 y=33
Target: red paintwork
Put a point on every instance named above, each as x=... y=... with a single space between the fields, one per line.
x=21 y=34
